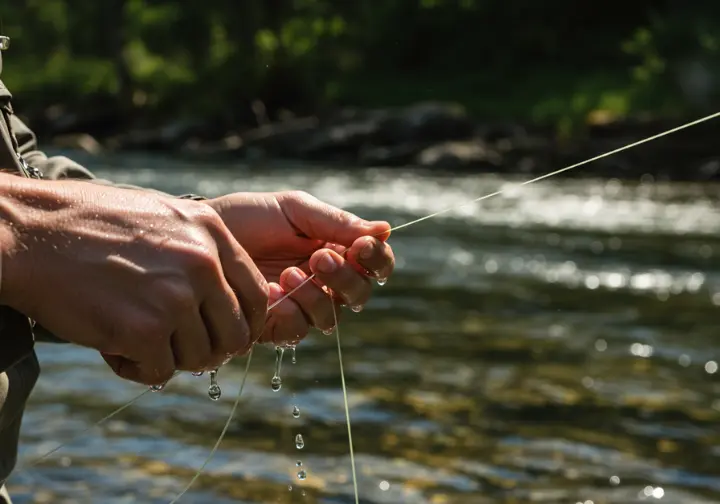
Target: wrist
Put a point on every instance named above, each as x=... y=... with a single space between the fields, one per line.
x=23 y=203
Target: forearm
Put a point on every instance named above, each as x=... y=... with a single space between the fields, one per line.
x=23 y=203
x=7 y=234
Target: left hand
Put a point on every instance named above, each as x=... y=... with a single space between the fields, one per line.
x=292 y=234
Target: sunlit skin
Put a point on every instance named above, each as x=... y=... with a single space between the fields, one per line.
x=290 y=235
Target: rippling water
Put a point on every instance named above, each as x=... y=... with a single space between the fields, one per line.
x=557 y=344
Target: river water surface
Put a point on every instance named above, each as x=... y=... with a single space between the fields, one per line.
x=557 y=344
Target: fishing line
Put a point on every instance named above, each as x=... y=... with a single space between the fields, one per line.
x=104 y=419
x=222 y=433
x=347 y=406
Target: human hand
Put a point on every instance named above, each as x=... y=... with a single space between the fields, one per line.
x=290 y=235
x=156 y=284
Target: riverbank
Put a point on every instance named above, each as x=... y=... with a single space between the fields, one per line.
x=437 y=136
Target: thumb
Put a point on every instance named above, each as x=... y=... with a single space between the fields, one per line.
x=320 y=221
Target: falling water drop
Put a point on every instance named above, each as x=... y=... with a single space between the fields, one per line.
x=298 y=463
x=302 y=474
x=299 y=442
x=214 y=391
x=296 y=412
x=381 y=281
x=357 y=308
x=276 y=381
x=294 y=359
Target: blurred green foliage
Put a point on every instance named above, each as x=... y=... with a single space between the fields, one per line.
x=552 y=61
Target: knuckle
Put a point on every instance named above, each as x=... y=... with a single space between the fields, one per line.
x=201 y=258
x=146 y=328
x=177 y=296
x=297 y=196
x=206 y=215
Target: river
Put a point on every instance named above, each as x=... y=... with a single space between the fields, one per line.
x=557 y=344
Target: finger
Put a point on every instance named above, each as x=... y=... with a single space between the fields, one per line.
x=373 y=255
x=228 y=331
x=286 y=324
x=315 y=303
x=320 y=221
x=248 y=283
x=340 y=276
x=155 y=371
x=191 y=344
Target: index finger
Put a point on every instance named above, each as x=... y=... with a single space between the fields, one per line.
x=247 y=282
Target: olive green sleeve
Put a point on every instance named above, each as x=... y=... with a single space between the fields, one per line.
x=61 y=167
x=58 y=168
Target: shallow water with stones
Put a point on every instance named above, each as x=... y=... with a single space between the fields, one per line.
x=554 y=345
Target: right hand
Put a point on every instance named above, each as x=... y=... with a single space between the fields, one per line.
x=156 y=284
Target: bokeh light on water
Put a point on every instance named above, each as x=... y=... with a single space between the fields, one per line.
x=554 y=345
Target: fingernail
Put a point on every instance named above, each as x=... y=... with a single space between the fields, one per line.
x=367 y=250
x=327 y=264
x=294 y=279
x=275 y=292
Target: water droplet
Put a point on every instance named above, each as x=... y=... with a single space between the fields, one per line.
x=328 y=332
x=296 y=412
x=298 y=463
x=198 y=373
x=157 y=388
x=299 y=442
x=214 y=391
x=294 y=359
x=302 y=474
x=289 y=488
x=357 y=308
x=276 y=381
x=381 y=281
